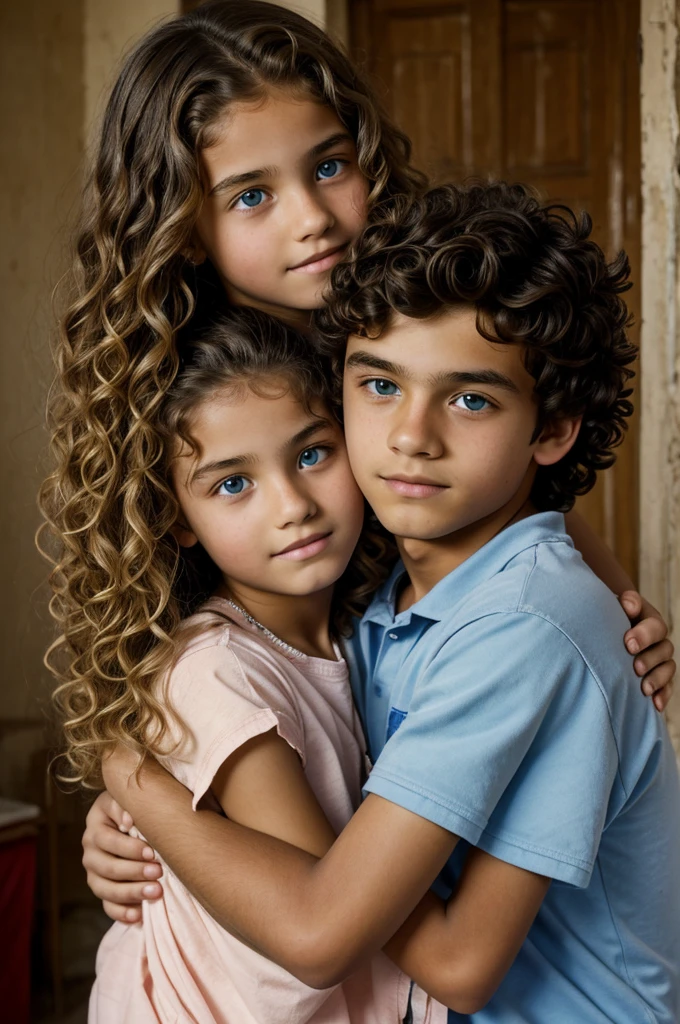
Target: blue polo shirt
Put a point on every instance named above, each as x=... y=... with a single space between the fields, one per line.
x=503 y=706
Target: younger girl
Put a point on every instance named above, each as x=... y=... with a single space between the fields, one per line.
x=263 y=720
x=240 y=154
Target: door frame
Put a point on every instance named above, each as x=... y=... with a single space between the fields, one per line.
x=659 y=499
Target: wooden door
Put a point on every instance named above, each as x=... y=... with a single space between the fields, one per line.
x=543 y=91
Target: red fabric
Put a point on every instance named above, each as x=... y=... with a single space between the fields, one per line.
x=17 y=886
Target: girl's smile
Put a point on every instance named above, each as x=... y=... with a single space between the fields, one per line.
x=284 y=198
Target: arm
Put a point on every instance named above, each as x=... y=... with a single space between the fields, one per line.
x=647 y=640
x=317 y=918
x=597 y=555
x=319 y=925
x=460 y=951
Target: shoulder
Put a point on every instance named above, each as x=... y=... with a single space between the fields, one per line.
x=216 y=653
x=547 y=589
x=565 y=592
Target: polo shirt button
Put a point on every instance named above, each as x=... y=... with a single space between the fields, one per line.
x=393 y=636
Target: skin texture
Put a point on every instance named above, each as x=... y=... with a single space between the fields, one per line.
x=306 y=196
x=303 y=212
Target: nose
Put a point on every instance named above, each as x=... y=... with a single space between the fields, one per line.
x=414 y=431
x=310 y=215
x=294 y=504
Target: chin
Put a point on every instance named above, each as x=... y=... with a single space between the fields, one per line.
x=408 y=527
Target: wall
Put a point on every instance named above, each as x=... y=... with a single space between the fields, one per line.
x=660 y=410
x=41 y=120
x=110 y=29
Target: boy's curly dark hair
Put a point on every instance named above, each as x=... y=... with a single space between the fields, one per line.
x=536 y=279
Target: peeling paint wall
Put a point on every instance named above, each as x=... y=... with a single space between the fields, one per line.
x=659 y=399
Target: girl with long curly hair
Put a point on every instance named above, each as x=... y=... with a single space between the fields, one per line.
x=267 y=519
x=239 y=157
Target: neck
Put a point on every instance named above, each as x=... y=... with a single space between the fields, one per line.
x=303 y=622
x=429 y=561
x=299 y=319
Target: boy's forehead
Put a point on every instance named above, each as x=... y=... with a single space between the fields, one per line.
x=447 y=342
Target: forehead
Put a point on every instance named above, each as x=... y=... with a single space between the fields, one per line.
x=274 y=129
x=245 y=419
x=446 y=343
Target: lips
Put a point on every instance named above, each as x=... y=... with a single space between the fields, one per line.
x=306 y=547
x=414 y=487
x=320 y=261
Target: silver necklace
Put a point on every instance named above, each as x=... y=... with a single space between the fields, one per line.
x=288 y=648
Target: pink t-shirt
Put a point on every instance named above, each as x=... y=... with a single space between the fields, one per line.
x=230 y=684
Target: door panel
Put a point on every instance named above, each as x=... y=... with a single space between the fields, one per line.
x=543 y=91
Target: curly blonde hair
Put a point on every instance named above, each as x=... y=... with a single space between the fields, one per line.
x=107 y=506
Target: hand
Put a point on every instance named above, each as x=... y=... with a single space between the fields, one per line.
x=121 y=870
x=648 y=642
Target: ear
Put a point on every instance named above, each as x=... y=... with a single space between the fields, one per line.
x=556 y=439
x=184 y=535
x=194 y=252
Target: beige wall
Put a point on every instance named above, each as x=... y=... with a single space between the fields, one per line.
x=660 y=358
x=41 y=117
x=109 y=31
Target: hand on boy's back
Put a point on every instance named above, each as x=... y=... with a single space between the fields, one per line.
x=648 y=642
x=121 y=870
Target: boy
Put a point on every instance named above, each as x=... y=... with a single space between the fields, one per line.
x=485 y=373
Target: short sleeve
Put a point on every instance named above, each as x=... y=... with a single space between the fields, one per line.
x=508 y=744
x=223 y=699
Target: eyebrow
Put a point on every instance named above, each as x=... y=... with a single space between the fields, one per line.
x=240 y=461
x=247 y=177
x=222 y=465
x=453 y=378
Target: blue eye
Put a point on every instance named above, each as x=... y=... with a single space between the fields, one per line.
x=328 y=169
x=253 y=197
x=312 y=457
x=473 y=403
x=379 y=386
x=232 y=485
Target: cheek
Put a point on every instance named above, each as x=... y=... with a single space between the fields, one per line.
x=230 y=541
x=358 y=203
x=350 y=204
x=341 y=493
x=360 y=425
x=238 y=252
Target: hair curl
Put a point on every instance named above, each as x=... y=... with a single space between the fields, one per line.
x=535 y=278
x=106 y=504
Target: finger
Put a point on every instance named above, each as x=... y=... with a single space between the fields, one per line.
x=123 y=892
x=107 y=811
x=118 y=844
x=96 y=862
x=119 y=912
x=661 y=698
x=656 y=656
x=122 y=819
x=632 y=603
x=659 y=679
x=644 y=634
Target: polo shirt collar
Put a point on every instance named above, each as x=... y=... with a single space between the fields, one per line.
x=485 y=563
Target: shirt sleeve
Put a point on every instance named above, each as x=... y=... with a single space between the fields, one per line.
x=508 y=744
x=222 y=702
